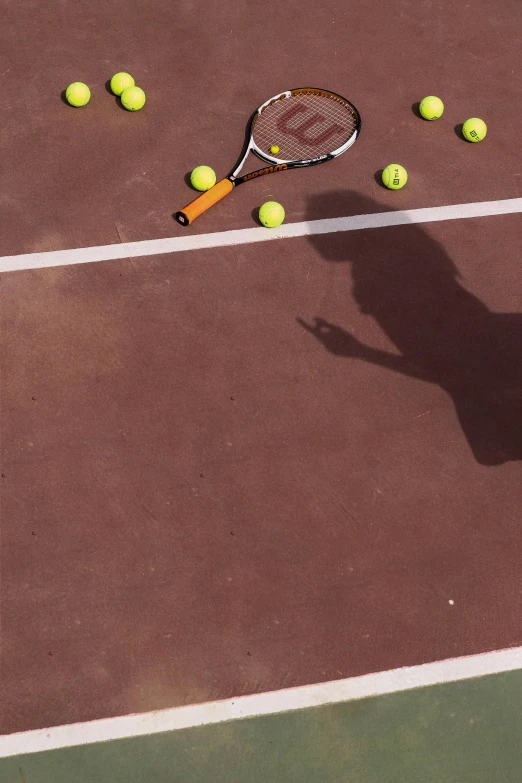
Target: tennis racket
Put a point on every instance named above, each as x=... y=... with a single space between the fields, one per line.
x=308 y=125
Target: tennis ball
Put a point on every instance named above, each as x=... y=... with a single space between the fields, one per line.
x=203 y=178
x=394 y=176
x=120 y=82
x=271 y=214
x=133 y=98
x=274 y=149
x=474 y=129
x=431 y=108
x=78 y=94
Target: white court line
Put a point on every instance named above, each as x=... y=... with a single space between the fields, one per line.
x=272 y=703
x=87 y=255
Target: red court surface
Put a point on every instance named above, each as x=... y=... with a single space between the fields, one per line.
x=241 y=469
x=97 y=175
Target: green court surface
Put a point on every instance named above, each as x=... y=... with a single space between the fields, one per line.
x=464 y=732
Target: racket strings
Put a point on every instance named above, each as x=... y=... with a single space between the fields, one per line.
x=305 y=126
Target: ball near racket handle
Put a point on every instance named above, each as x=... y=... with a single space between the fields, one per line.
x=204 y=202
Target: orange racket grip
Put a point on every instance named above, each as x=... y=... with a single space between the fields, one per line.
x=204 y=202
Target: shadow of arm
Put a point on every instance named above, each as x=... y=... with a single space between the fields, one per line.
x=341 y=343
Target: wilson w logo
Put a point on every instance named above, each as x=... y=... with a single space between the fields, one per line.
x=301 y=132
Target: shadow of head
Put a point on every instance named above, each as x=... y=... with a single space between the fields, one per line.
x=393 y=268
x=443 y=333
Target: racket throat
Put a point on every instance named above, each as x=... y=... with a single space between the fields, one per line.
x=262 y=172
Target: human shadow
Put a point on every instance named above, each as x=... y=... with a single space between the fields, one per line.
x=444 y=334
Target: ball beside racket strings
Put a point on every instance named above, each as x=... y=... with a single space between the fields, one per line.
x=394 y=176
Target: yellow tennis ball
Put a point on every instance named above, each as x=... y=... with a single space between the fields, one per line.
x=133 y=98
x=78 y=94
x=394 y=176
x=431 y=108
x=474 y=129
x=271 y=214
x=120 y=82
x=203 y=178
x=274 y=149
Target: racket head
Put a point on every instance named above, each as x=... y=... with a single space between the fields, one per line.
x=308 y=124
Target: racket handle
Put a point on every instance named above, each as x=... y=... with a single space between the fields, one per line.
x=204 y=202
